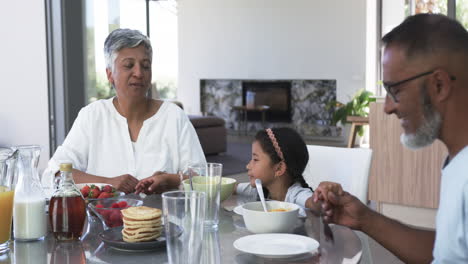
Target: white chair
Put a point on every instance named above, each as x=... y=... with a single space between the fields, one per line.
x=346 y=166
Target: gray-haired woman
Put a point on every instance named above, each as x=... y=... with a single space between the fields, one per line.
x=129 y=137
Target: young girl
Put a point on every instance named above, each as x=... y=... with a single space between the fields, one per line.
x=279 y=157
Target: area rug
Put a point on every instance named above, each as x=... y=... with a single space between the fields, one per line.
x=235 y=159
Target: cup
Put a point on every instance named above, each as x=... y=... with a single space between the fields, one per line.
x=211 y=249
x=6 y=199
x=211 y=187
x=184 y=213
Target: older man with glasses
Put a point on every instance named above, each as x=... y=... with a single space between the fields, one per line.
x=425 y=66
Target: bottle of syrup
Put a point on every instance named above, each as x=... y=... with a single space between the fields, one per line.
x=67 y=208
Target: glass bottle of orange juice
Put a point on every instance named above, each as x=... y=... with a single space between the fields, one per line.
x=67 y=208
x=7 y=169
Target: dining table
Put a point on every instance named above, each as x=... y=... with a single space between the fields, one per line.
x=217 y=246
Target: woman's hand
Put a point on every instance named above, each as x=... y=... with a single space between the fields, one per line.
x=159 y=182
x=125 y=183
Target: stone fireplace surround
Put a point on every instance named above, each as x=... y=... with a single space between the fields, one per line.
x=309 y=100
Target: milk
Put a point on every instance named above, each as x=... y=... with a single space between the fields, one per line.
x=29 y=220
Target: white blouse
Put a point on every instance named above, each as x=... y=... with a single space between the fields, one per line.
x=99 y=143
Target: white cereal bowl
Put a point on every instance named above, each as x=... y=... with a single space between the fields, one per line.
x=257 y=221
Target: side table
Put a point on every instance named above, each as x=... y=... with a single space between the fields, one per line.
x=243 y=111
x=356 y=121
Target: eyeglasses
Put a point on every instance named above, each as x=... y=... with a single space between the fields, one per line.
x=392 y=92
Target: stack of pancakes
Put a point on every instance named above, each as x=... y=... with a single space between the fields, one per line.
x=141 y=223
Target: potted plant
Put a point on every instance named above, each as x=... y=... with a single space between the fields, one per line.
x=358 y=106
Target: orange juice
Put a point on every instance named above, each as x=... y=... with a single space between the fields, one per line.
x=6 y=209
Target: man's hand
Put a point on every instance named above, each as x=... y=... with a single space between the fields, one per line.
x=345 y=210
x=125 y=183
x=321 y=192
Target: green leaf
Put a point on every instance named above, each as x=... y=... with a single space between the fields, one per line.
x=357 y=106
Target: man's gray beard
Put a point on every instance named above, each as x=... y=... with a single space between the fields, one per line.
x=428 y=132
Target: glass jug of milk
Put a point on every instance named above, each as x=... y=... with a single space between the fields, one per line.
x=29 y=216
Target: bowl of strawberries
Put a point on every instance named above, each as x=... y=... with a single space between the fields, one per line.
x=108 y=210
x=91 y=191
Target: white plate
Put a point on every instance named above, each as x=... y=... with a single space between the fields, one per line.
x=276 y=245
x=238 y=210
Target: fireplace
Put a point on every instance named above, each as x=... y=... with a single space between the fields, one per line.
x=275 y=94
x=305 y=99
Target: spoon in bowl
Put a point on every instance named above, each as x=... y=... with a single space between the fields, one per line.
x=258 y=184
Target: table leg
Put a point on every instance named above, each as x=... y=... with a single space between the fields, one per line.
x=245 y=122
x=352 y=135
x=263 y=119
x=239 y=122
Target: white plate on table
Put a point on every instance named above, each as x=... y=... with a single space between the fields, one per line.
x=277 y=245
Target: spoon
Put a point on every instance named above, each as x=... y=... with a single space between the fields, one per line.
x=258 y=184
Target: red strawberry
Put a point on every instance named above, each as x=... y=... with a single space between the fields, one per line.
x=115 y=217
x=94 y=193
x=95 y=188
x=99 y=206
x=122 y=204
x=107 y=189
x=105 y=213
x=85 y=190
x=104 y=195
x=115 y=205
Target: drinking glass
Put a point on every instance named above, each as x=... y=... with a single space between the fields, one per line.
x=207 y=178
x=183 y=213
x=6 y=198
x=211 y=249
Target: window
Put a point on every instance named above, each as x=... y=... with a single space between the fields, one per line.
x=461 y=12
x=425 y=6
x=164 y=40
x=104 y=16
x=393 y=12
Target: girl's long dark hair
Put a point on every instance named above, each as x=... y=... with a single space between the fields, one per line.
x=294 y=151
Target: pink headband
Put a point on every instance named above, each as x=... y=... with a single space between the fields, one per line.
x=275 y=143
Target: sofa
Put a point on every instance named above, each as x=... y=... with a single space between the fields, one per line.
x=211 y=131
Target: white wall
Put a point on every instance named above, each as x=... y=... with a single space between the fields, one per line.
x=271 y=39
x=23 y=75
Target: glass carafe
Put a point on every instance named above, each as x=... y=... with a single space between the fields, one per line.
x=7 y=171
x=67 y=208
x=29 y=217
